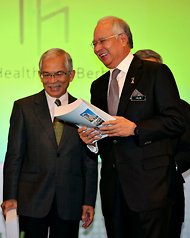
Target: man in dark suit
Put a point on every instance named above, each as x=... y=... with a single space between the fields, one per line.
x=182 y=156
x=138 y=169
x=52 y=184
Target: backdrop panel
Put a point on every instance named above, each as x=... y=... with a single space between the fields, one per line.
x=30 y=27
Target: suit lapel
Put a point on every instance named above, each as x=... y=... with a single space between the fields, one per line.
x=131 y=81
x=103 y=82
x=104 y=89
x=42 y=113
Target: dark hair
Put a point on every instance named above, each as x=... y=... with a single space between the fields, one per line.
x=146 y=54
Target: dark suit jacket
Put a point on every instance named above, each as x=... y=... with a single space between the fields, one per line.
x=143 y=163
x=36 y=169
x=182 y=159
x=183 y=146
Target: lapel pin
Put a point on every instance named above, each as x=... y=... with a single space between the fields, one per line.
x=132 y=80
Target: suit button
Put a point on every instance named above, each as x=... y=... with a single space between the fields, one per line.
x=114 y=141
x=58 y=154
x=113 y=166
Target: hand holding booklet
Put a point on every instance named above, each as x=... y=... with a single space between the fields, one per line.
x=82 y=113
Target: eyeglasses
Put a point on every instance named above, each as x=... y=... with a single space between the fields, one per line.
x=104 y=40
x=57 y=75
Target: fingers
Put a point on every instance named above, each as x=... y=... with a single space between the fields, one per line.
x=89 y=135
x=7 y=205
x=81 y=129
x=121 y=127
x=87 y=216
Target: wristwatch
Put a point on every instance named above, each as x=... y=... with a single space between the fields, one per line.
x=136 y=131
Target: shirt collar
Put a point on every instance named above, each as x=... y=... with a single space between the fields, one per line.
x=125 y=63
x=63 y=99
x=51 y=102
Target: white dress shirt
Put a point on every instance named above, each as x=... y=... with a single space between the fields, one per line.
x=52 y=105
x=123 y=67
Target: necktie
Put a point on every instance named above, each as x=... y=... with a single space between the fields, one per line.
x=113 y=95
x=58 y=124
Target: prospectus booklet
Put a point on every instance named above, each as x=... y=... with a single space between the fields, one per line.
x=82 y=113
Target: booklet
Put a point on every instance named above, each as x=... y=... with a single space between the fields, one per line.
x=82 y=113
x=12 y=224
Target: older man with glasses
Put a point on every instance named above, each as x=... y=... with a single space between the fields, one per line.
x=137 y=183
x=49 y=176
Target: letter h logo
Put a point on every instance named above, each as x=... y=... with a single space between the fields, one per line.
x=42 y=18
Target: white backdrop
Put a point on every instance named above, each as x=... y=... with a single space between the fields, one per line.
x=97 y=229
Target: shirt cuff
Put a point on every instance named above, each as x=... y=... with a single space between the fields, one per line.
x=93 y=148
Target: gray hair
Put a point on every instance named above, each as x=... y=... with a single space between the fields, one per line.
x=120 y=26
x=57 y=52
x=146 y=54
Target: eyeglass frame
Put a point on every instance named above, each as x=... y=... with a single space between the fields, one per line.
x=101 y=41
x=57 y=75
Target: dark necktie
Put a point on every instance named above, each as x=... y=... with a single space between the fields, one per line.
x=58 y=124
x=113 y=95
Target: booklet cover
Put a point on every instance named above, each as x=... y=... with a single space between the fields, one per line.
x=82 y=113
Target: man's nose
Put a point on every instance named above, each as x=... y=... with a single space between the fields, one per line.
x=53 y=79
x=97 y=47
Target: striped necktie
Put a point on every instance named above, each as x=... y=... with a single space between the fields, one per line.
x=58 y=124
x=113 y=95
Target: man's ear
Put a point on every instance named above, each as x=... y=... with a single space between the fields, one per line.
x=72 y=75
x=124 y=39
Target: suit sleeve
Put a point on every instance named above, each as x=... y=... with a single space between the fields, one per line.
x=14 y=154
x=91 y=176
